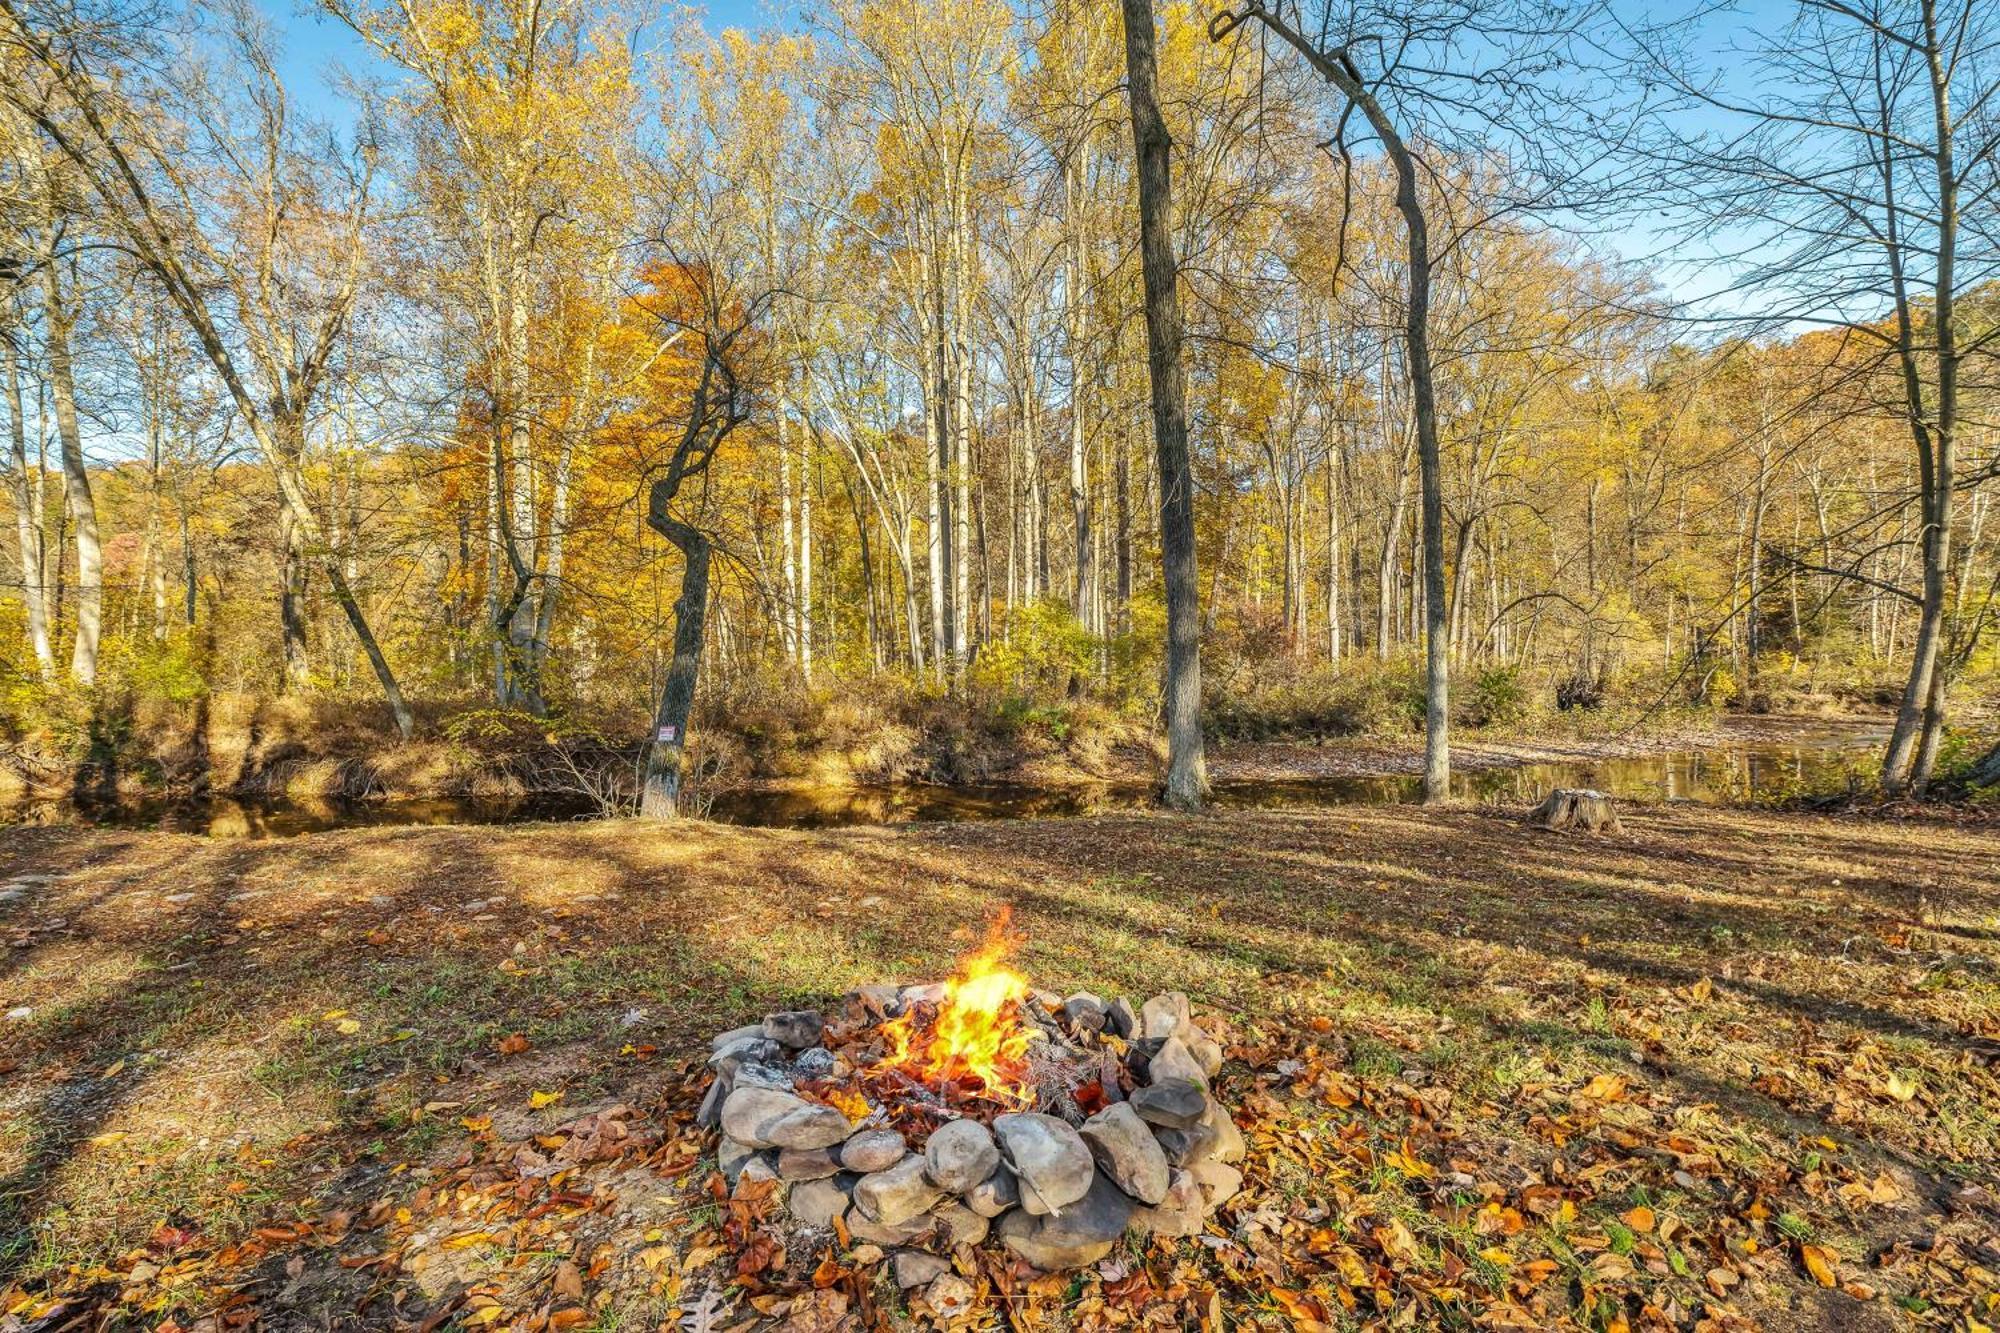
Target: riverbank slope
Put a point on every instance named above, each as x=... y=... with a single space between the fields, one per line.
x=1708 y=1065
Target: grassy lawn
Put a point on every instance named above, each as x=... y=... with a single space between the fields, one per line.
x=1729 y=1070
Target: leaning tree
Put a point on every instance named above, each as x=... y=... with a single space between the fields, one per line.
x=1433 y=81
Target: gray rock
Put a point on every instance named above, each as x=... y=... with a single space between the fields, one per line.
x=1119 y=1020
x=1084 y=1012
x=807 y=1163
x=1173 y=1060
x=768 y=1118
x=914 y=1268
x=795 y=1028
x=1139 y=1055
x=1125 y=1151
x=1184 y=1147
x=1182 y=1212
x=929 y=993
x=863 y=1227
x=1080 y=1234
x=1229 y=1146
x=731 y=1157
x=760 y=1167
x=873 y=1150
x=818 y=1203
x=735 y=1035
x=1176 y=1103
x=1219 y=1182
x=1165 y=1015
x=742 y=1051
x=1108 y=1069
x=959 y=1155
x=760 y=1076
x=950 y=1296
x=994 y=1195
x=710 y=1114
x=1049 y=1158
x=959 y=1225
x=1022 y=1233
x=1206 y=1051
x=896 y=1195
x=815 y=1062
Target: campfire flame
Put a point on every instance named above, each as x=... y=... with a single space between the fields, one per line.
x=974 y=1042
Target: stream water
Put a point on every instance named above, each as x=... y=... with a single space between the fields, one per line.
x=1815 y=759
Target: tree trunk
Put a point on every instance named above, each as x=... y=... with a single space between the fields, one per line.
x=291 y=600
x=77 y=494
x=1937 y=444
x=1437 y=669
x=27 y=486
x=666 y=749
x=1082 y=593
x=1187 y=777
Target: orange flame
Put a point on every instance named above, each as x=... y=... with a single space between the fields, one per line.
x=977 y=1043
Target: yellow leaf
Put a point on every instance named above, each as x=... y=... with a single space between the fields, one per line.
x=1640 y=1219
x=1819 y=1262
x=1902 y=1089
x=117 y=1068
x=347 y=1027
x=1493 y=1254
x=540 y=1099
x=849 y=1103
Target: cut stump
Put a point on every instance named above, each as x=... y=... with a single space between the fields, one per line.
x=1577 y=808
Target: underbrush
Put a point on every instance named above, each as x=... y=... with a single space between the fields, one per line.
x=127 y=739
x=898 y=730
x=1370 y=697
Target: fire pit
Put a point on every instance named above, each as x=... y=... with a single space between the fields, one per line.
x=928 y=1117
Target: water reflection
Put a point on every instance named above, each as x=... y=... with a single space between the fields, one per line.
x=1722 y=773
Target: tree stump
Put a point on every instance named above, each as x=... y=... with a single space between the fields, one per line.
x=1577 y=808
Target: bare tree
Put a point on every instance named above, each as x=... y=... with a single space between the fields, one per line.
x=1851 y=181
x=1438 y=80
x=264 y=271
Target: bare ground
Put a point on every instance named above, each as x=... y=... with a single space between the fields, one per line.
x=1730 y=1069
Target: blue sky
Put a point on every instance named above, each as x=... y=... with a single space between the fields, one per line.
x=315 y=48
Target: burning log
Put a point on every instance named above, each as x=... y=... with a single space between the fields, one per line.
x=935 y=1116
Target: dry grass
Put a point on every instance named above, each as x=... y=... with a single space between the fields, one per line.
x=220 y=1034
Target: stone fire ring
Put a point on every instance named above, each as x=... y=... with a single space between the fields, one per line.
x=1059 y=1187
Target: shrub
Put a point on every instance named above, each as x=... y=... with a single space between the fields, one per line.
x=1496 y=698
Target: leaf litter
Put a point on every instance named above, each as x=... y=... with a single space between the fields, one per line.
x=1595 y=1184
